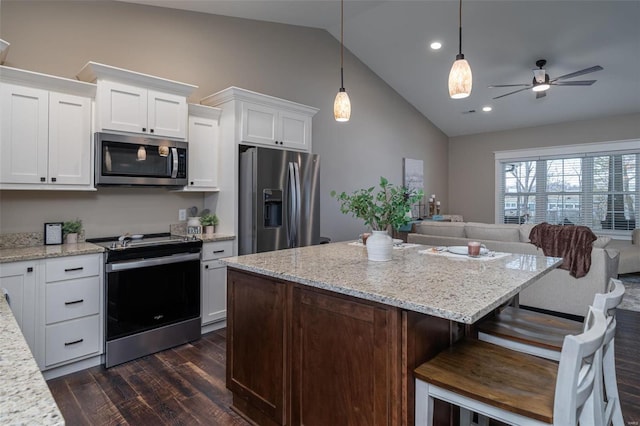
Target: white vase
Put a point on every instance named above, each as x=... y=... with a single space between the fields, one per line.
x=379 y=246
x=209 y=230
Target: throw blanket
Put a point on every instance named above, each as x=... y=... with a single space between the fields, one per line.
x=572 y=243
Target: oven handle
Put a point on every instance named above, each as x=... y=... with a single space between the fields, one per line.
x=143 y=263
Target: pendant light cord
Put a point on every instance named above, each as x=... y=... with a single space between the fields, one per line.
x=342 y=45
x=460 y=29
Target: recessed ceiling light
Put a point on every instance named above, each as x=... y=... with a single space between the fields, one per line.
x=436 y=45
x=487 y=108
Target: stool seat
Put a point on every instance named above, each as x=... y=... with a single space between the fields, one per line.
x=544 y=333
x=494 y=375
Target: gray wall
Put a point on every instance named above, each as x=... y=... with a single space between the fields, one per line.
x=472 y=164
x=214 y=52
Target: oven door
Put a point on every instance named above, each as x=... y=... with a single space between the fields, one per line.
x=151 y=293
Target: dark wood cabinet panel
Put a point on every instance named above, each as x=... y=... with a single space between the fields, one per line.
x=256 y=339
x=344 y=368
x=299 y=355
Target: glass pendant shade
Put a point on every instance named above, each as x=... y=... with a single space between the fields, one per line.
x=460 y=79
x=342 y=106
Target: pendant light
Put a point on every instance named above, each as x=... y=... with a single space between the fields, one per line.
x=342 y=104
x=460 y=78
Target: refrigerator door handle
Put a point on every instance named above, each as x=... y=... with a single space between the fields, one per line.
x=296 y=169
x=291 y=208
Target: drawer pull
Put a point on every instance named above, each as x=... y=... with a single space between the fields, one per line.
x=74 y=269
x=218 y=251
x=74 y=342
x=74 y=302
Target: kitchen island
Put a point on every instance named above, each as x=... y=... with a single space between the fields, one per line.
x=320 y=335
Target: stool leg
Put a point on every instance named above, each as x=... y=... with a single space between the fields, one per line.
x=611 y=384
x=424 y=405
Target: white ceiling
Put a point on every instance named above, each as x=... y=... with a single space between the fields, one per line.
x=501 y=40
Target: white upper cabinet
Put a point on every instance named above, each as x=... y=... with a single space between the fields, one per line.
x=204 y=145
x=265 y=120
x=132 y=102
x=45 y=132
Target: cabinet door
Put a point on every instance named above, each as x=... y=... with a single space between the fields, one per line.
x=256 y=332
x=17 y=285
x=23 y=134
x=69 y=139
x=214 y=292
x=343 y=347
x=122 y=107
x=167 y=115
x=295 y=130
x=203 y=153
x=259 y=124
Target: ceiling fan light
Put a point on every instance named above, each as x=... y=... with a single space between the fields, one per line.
x=460 y=79
x=342 y=106
x=540 y=87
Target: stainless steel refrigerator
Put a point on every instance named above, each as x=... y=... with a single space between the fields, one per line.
x=279 y=200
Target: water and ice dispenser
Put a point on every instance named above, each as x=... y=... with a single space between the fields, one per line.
x=272 y=207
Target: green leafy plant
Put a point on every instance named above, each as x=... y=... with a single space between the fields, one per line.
x=386 y=207
x=209 y=220
x=72 y=227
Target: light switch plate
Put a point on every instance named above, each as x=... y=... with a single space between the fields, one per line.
x=182 y=214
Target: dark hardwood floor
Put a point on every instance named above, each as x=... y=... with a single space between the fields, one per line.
x=186 y=385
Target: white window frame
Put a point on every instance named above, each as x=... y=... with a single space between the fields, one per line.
x=575 y=150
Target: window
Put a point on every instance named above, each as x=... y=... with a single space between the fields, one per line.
x=595 y=185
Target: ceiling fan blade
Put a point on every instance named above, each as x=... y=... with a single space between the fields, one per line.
x=511 y=93
x=509 y=85
x=574 y=83
x=577 y=73
x=541 y=94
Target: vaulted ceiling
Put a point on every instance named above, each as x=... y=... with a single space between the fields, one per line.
x=501 y=40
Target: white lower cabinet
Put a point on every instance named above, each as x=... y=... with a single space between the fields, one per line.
x=18 y=287
x=214 y=281
x=71 y=325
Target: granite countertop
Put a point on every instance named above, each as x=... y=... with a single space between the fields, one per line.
x=43 y=252
x=24 y=395
x=217 y=237
x=460 y=289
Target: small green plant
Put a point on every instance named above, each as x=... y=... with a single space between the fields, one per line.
x=387 y=207
x=72 y=227
x=209 y=220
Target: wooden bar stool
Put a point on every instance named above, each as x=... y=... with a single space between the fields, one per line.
x=542 y=335
x=515 y=387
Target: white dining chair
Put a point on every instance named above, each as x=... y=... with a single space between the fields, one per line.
x=518 y=388
x=542 y=335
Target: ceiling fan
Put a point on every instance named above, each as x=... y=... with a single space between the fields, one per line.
x=541 y=82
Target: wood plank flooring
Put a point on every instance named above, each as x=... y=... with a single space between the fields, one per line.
x=186 y=385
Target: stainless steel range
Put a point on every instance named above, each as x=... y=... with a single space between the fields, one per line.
x=152 y=287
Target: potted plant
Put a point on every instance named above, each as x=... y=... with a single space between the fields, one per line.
x=209 y=222
x=71 y=229
x=388 y=207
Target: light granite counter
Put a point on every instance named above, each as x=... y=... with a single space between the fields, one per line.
x=459 y=289
x=25 y=398
x=217 y=237
x=43 y=252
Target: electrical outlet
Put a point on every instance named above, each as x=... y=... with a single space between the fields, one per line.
x=182 y=214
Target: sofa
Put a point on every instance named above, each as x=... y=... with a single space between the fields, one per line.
x=556 y=291
x=629 y=253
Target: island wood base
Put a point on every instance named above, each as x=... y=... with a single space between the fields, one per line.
x=301 y=355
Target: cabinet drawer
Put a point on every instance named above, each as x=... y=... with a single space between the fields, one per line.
x=72 y=339
x=217 y=250
x=67 y=300
x=70 y=267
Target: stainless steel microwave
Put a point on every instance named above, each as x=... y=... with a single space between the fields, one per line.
x=139 y=161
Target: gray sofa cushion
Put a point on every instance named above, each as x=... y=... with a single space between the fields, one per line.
x=602 y=241
x=525 y=230
x=488 y=232
x=442 y=229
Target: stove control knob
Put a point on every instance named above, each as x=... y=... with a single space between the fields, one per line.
x=114 y=245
